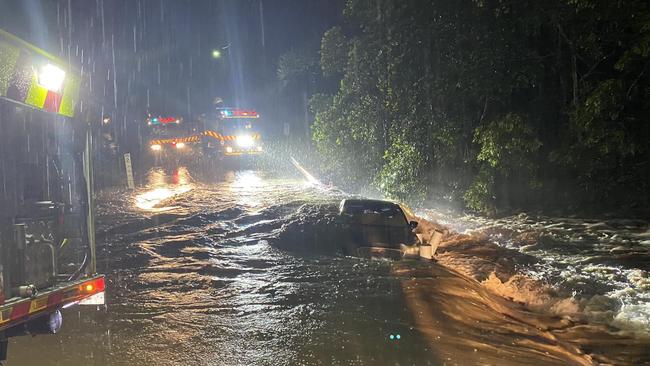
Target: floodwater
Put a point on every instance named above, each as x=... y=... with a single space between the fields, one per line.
x=601 y=265
x=242 y=268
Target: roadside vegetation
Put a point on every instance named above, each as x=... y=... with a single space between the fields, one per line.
x=493 y=105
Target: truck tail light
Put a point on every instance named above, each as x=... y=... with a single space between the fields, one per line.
x=94 y=292
x=92 y=287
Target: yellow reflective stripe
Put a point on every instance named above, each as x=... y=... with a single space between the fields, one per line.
x=193 y=138
x=216 y=135
x=38 y=304
x=5 y=315
x=219 y=136
x=36 y=94
x=70 y=95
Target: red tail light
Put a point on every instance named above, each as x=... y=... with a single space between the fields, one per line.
x=93 y=287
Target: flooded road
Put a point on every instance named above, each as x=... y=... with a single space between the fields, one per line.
x=601 y=265
x=243 y=268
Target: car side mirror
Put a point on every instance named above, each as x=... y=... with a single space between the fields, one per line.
x=413 y=224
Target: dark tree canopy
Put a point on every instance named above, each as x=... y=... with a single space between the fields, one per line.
x=498 y=104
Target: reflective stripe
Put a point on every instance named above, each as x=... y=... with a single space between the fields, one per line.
x=70 y=95
x=36 y=94
x=38 y=304
x=24 y=309
x=255 y=136
x=213 y=134
x=5 y=315
x=196 y=138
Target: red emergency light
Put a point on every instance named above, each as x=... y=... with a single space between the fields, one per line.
x=239 y=113
x=162 y=120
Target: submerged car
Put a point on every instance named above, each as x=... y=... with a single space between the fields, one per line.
x=375 y=226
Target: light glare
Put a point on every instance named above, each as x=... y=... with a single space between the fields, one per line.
x=51 y=77
x=245 y=141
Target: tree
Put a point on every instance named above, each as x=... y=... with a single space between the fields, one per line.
x=334 y=52
x=499 y=104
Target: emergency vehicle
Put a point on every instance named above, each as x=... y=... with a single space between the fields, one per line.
x=171 y=139
x=47 y=242
x=235 y=132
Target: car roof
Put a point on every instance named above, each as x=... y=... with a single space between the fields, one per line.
x=366 y=203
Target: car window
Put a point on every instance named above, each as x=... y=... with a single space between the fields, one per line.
x=374 y=214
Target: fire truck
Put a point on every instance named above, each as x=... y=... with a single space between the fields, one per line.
x=47 y=242
x=171 y=139
x=234 y=133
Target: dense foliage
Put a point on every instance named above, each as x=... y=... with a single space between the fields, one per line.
x=497 y=104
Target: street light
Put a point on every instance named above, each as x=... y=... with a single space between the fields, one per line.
x=216 y=54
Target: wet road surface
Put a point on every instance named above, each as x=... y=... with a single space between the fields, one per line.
x=242 y=269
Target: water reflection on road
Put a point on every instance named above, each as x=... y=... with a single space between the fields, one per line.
x=161 y=187
x=216 y=273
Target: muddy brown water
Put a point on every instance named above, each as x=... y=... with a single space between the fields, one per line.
x=242 y=269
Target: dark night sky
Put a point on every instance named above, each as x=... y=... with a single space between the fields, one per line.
x=175 y=37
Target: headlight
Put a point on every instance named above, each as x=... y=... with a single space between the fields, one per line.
x=180 y=145
x=156 y=147
x=228 y=149
x=245 y=141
